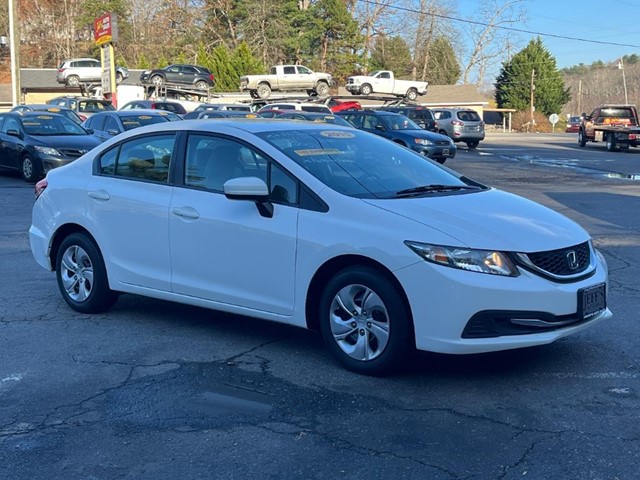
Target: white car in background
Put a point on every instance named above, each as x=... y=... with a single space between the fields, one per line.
x=75 y=71
x=317 y=226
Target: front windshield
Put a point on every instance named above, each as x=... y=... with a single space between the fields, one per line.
x=134 y=121
x=51 y=125
x=359 y=164
x=398 y=122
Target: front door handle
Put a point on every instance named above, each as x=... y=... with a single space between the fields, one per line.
x=99 y=195
x=186 y=212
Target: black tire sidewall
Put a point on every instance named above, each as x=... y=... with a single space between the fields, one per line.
x=398 y=348
x=101 y=296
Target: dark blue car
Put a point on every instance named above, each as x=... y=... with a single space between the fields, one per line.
x=402 y=130
x=35 y=142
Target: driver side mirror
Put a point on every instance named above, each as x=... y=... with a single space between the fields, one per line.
x=250 y=188
x=14 y=133
x=380 y=127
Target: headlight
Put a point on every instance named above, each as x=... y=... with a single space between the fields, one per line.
x=423 y=141
x=47 y=151
x=481 y=261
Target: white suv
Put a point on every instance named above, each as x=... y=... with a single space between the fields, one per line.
x=306 y=107
x=77 y=70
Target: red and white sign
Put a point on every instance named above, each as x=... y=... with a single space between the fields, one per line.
x=105 y=29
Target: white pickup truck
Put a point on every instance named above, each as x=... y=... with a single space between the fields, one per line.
x=286 y=78
x=383 y=81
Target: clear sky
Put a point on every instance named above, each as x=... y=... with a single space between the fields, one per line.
x=615 y=21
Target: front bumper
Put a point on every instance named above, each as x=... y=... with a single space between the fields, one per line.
x=444 y=301
x=435 y=151
x=353 y=88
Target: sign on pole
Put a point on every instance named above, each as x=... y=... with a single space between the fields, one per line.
x=553 y=118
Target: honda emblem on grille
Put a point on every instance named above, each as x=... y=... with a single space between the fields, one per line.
x=572 y=260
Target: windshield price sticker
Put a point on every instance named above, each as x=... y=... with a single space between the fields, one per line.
x=336 y=134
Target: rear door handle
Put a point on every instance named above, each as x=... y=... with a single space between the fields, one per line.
x=186 y=212
x=99 y=195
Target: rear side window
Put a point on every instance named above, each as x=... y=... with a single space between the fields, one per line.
x=311 y=108
x=144 y=158
x=289 y=70
x=469 y=116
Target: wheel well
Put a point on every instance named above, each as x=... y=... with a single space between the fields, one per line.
x=400 y=142
x=332 y=267
x=62 y=233
x=264 y=83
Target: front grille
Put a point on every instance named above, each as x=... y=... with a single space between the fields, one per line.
x=72 y=152
x=565 y=261
x=442 y=143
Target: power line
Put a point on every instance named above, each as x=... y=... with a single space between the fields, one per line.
x=500 y=27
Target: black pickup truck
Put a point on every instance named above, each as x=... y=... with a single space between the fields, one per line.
x=617 y=125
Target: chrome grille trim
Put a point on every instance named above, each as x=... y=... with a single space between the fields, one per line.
x=524 y=260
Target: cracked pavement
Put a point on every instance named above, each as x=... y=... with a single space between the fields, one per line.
x=154 y=390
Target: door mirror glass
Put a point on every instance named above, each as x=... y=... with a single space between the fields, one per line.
x=14 y=133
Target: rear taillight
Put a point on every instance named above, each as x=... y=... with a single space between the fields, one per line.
x=61 y=70
x=457 y=122
x=211 y=77
x=40 y=187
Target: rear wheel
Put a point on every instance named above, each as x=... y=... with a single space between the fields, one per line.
x=119 y=77
x=202 y=85
x=612 y=144
x=73 y=80
x=472 y=144
x=412 y=94
x=82 y=276
x=264 y=90
x=364 y=321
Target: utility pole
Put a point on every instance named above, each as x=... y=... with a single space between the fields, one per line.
x=624 y=81
x=533 y=87
x=579 y=112
x=14 y=44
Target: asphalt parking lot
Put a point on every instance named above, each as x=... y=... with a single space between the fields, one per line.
x=153 y=390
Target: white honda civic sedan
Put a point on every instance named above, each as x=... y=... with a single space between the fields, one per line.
x=318 y=226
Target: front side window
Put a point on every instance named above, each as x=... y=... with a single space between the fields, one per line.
x=211 y=161
x=360 y=165
x=10 y=124
x=110 y=124
x=304 y=70
x=144 y=158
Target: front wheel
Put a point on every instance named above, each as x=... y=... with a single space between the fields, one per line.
x=322 y=89
x=202 y=85
x=119 y=77
x=366 y=89
x=364 y=321
x=82 y=276
x=29 y=169
x=157 y=80
x=582 y=140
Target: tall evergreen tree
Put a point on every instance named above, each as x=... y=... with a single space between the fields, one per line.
x=443 y=67
x=391 y=54
x=513 y=85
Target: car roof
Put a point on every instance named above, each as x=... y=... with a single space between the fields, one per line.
x=44 y=105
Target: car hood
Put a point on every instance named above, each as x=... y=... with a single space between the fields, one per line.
x=79 y=142
x=492 y=220
x=426 y=134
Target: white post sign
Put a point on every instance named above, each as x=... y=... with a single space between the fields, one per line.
x=553 y=118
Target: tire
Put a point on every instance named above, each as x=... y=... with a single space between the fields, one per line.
x=253 y=94
x=366 y=89
x=264 y=90
x=30 y=170
x=73 y=81
x=322 y=89
x=311 y=93
x=440 y=160
x=202 y=85
x=82 y=276
x=612 y=145
x=119 y=77
x=157 y=80
x=472 y=144
x=582 y=139
x=412 y=94
x=372 y=342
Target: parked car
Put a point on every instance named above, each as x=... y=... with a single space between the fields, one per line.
x=33 y=143
x=460 y=124
x=404 y=131
x=45 y=107
x=420 y=115
x=314 y=117
x=286 y=78
x=83 y=106
x=236 y=107
x=75 y=71
x=169 y=106
x=269 y=113
x=336 y=105
x=316 y=226
x=226 y=114
x=301 y=106
x=573 y=125
x=108 y=124
x=180 y=74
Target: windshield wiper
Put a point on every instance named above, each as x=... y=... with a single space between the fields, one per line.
x=433 y=188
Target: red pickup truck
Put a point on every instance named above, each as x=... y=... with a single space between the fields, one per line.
x=617 y=125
